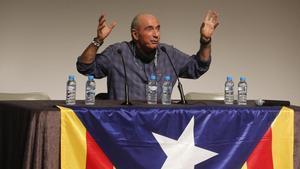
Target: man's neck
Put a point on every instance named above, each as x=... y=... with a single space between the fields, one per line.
x=144 y=55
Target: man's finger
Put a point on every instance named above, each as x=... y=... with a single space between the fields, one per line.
x=216 y=25
x=101 y=27
x=215 y=16
x=207 y=16
x=216 y=19
x=112 y=25
x=102 y=22
x=101 y=17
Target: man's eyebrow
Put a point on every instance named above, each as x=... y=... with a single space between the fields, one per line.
x=147 y=27
x=150 y=26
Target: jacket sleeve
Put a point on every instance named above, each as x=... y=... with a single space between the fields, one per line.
x=101 y=65
x=191 y=67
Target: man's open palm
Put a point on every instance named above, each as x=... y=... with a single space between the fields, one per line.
x=103 y=29
x=210 y=23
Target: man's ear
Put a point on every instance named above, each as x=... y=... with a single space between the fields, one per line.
x=134 y=34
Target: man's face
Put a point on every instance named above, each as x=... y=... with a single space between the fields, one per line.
x=147 y=33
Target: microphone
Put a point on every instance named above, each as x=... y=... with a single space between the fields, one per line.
x=263 y=102
x=182 y=97
x=126 y=102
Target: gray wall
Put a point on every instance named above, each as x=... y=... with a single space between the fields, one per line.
x=40 y=41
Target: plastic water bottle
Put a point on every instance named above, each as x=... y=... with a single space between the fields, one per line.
x=71 y=91
x=166 y=91
x=152 y=90
x=228 y=92
x=242 y=91
x=90 y=91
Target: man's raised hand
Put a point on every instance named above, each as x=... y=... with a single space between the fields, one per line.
x=104 y=29
x=210 y=23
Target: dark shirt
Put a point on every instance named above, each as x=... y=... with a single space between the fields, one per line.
x=109 y=64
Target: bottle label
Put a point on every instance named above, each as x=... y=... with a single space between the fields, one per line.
x=153 y=87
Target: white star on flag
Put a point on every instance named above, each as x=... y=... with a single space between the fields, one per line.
x=182 y=153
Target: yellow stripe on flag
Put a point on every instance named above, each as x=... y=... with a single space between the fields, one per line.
x=283 y=139
x=245 y=166
x=73 y=141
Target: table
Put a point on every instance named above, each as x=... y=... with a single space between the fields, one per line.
x=30 y=131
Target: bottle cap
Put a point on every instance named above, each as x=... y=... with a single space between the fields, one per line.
x=90 y=77
x=242 y=78
x=229 y=77
x=167 y=78
x=71 y=77
x=152 y=77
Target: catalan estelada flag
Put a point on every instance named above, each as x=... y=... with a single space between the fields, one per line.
x=275 y=149
x=207 y=137
x=78 y=149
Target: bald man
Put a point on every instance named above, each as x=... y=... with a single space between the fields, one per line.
x=144 y=55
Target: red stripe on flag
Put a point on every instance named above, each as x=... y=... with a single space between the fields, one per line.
x=261 y=157
x=96 y=159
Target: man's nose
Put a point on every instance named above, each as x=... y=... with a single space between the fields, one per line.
x=156 y=33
